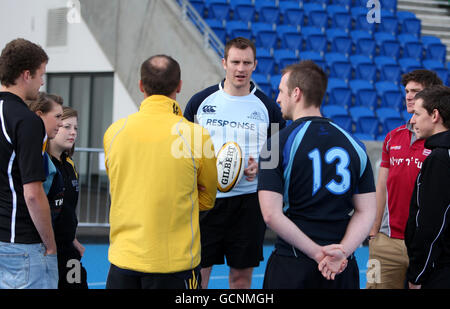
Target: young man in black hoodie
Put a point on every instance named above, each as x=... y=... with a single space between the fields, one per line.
x=427 y=235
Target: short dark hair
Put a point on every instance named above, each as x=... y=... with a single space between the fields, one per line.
x=18 y=56
x=436 y=97
x=426 y=78
x=160 y=74
x=311 y=80
x=241 y=43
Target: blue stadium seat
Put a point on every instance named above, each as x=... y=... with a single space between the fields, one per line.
x=389 y=24
x=237 y=28
x=275 y=82
x=358 y=10
x=364 y=93
x=335 y=8
x=411 y=25
x=343 y=121
x=368 y=125
x=339 y=41
x=315 y=56
x=390 y=119
x=336 y=82
x=409 y=64
x=402 y=15
x=266 y=63
x=342 y=20
x=331 y=110
x=218 y=28
x=218 y=9
x=292 y=13
x=358 y=84
x=384 y=113
x=199 y=6
x=263 y=83
x=363 y=136
x=267 y=11
x=263 y=52
x=243 y=10
x=365 y=120
x=284 y=57
x=367 y=71
x=264 y=34
x=346 y=3
x=431 y=64
x=390 y=5
x=362 y=24
x=339 y=65
x=364 y=43
x=357 y=59
x=318 y=18
x=383 y=60
x=411 y=45
x=392 y=123
x=391 y=72
x=332 y=57
x=308 y=7
x=444 y=74
x=338 y=92
x=289 y=37
x=367 y=98
x=340 y=96
x=324 y=3
x=437 y=51
x=429 y=39
x=314 y=39
x=390 y=94
x=387 y=44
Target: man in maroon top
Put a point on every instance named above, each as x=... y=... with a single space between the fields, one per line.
x=402 y=158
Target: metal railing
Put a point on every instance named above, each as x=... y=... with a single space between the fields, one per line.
x=94 y=200
x=210 y=39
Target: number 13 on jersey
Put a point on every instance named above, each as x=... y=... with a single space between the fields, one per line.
x=333 y=154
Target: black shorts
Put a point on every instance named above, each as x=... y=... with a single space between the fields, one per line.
x=233 y=229
x=289 y=272
x=119 y=278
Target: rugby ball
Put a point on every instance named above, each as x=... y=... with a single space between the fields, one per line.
x=230 y=166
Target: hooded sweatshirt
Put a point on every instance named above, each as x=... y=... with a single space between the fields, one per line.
x=427 y=235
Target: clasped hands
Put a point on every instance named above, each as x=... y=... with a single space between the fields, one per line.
x=332 y=260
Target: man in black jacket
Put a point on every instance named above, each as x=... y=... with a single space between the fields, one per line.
x=427 y=235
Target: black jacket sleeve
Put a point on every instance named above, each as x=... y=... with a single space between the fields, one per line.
x=428 y=218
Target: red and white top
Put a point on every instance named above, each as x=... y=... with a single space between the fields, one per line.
x=403 y=155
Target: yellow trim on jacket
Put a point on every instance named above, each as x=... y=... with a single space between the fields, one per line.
x=155 y=161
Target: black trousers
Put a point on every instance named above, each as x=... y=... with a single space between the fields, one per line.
x=438 y=279
x=72 y=274
x=289 y=272
x=119 y=278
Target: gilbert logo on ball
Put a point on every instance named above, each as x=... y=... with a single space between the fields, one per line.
x=230 y=166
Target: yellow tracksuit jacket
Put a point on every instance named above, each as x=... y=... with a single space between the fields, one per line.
x=155 y=160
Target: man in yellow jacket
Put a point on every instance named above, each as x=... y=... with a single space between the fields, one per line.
x=156 y=162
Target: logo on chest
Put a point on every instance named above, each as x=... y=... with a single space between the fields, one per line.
x=209 y=109
x=256 y=116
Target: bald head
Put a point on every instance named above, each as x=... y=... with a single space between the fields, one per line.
x=160 y=74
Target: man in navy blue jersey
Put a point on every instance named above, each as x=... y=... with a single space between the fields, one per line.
x=320 y=198
x=235 y=110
